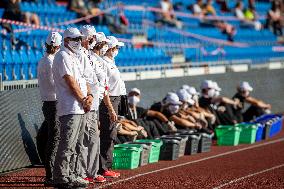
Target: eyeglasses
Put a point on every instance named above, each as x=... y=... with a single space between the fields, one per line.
x=77 y=39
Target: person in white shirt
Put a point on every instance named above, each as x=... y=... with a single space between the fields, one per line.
x=89 y=138
x=74 y=99
x=48 y=96
x=245 y=22
x=115 y=90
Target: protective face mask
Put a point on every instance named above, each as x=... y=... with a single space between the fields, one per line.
x=133 y=100
x=185 y=106
x=103 y=50
x=114 y=53
x=217 y=93
x=75 y=46
x=173 y=109
x=211 y=93
x=195 y=98
x=92 y=45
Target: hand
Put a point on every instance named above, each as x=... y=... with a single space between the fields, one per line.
x=140 y=128
x=89 y=100
x=112 y=115
x=268 y=106
x=133 y=133
x=198 y=125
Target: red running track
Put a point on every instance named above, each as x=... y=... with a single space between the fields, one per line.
x=260 y=165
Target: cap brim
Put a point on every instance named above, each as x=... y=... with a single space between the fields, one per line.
x=121 y=44
x=75 y=36
x=250 y=89
x=177 y=103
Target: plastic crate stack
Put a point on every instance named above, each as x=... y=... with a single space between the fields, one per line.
x=131 y=155
x=261 y=128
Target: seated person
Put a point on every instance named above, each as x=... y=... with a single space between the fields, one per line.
x=274 y=18
x=144 y=116
x=246 y=22
x=209 y=9
x=187 y=113
x=212 y=103
x=197 y=9
x=129 y=131
x=170 y=107
x=196 y=110
x=167 y=15
x=257 y=107
x=13 y=12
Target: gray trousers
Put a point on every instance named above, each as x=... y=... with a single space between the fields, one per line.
x=88 y=147
x=70 y=126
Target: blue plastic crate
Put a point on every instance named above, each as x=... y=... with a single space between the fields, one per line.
x=275 y=127
x=259 y=132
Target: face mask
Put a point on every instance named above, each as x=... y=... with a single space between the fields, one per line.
x=185 y=106
x=133 y=100
x=92 y=45
x=75 y=46
x=217 y=93
x=103 y=50
x=195 y=98
x=211 y=93
x=173 y=109
x=114 y=53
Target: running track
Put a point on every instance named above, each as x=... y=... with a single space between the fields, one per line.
x=260 y=165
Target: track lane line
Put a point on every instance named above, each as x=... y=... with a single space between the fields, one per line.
x=193 y=162
x=248 y=176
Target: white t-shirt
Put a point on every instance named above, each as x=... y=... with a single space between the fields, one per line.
x=239 y=13
x=165 y=6
x=90 y=76
x=100 y=69
x=197 y=9
x=116 y=84
x=67 y=63
x=45 y=78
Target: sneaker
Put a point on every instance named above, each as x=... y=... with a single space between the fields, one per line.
x=89 y=179
x=111 y=174
x=79 y=182
x=99 y=179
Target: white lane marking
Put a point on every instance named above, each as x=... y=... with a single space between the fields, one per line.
x=250 y=175
x=192 y=162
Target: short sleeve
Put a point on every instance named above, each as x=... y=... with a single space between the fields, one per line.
x=65 y=66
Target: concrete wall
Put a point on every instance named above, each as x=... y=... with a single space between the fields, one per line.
x=268 y=85
x=21 y=117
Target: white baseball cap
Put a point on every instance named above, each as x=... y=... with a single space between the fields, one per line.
x=136 y=90
x=114 y=42
x=72 y=33
x=88 y=30
x=192 y=91
x=54 y=39
x=172 y=98
x=184 y=96
x=207 y=84
x=102 y=37
x=186 y=87
x=245 y=86
x=216 y=86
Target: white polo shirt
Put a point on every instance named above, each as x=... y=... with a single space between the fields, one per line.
x=100 y=68
x=116 y=84
x=45 y=78
x=67 y=63
x=90 y=77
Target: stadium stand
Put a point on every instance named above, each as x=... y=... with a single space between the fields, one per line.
x=196 y=41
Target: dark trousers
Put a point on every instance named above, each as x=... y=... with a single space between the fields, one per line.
x=252 y=112
x=149 y=127
x=108 y=135
x=48 y=137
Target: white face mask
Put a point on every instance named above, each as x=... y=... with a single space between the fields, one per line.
x=185 y=106
x=173 y=109
x=75 y=46
x=114 y=53
x=195 y=98
x=217 y=93
x=92 y=45
x=133 y=100
x=103 y=50
x=211 y=93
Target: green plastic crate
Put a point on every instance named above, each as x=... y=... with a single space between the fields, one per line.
x=228 y=135
x=248 y=133
x=155 y=149
x=126 y=157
